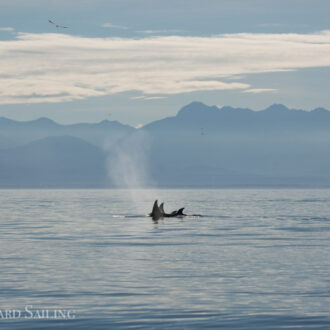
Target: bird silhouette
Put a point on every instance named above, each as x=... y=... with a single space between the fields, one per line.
x=58 y=25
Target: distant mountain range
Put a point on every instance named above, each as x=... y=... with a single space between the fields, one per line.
x=202 y=146
x=57 y=161
x=101 y=134
x=209 y=146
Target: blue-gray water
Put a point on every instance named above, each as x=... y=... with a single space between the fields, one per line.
x=257 y=259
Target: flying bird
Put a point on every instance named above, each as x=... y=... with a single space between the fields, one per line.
x=57 y=25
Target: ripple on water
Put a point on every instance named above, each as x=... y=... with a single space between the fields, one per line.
x=256 y=259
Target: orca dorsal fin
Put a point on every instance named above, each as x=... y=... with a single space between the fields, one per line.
x=180 y=211
x=161 y=208
x=156 y=213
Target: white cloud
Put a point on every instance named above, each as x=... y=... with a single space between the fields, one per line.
x=7 y=29
x=114 y=26
x=260 y=90
x=59 y=68
x=144 y=97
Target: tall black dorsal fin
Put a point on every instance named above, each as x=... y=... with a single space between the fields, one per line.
x=156 y=213
x=161 y=208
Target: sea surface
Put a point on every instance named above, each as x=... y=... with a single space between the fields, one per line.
x=93 y=259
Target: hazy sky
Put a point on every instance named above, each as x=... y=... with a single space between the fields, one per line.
x=140 y=60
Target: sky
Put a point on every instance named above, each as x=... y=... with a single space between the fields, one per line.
x=136 y=61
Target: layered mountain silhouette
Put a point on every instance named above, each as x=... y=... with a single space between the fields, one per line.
x=101 y=134
x=202 y=146
x=205 y=145
x=59 y=161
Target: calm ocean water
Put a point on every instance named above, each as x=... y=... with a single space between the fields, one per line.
x=256 y=259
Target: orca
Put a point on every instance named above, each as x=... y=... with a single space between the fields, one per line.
x=161 y=207
x=164 y=214
x=158 y=212
x=180 y=213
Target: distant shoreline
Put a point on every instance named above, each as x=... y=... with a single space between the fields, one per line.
x=238 y=187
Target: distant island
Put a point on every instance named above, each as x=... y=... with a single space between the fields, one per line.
x=202 y=146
